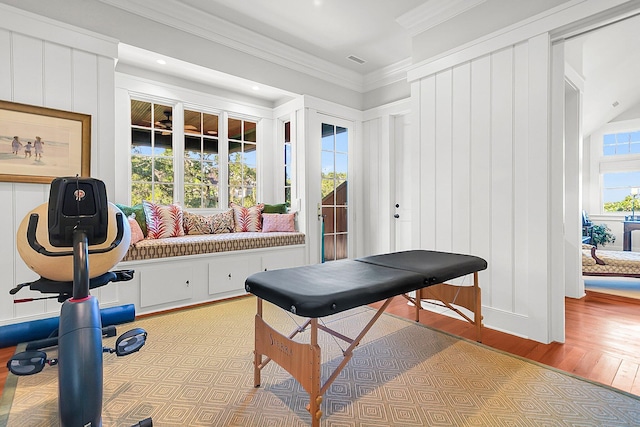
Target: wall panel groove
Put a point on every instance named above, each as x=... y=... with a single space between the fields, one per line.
x=460 y=159
x=6 y=75
x=480 y=169
x=502 y=177
x=521 y=176
x=443 y=167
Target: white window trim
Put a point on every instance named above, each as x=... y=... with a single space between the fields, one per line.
x=601 y=164
x=279 y=178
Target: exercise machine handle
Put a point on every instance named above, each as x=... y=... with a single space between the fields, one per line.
x=36 y=246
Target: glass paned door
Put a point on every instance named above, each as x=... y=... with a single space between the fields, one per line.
x=334 y=164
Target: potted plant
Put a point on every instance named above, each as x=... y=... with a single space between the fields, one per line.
x=602 y=235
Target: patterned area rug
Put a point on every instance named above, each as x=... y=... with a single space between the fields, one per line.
x=196 y=370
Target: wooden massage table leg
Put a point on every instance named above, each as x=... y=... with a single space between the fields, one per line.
x=303 y=361
x=257 y=357
x=468 y=297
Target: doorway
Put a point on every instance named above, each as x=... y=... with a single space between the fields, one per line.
x=334 y=191
x=402 y=177
x=601 y=92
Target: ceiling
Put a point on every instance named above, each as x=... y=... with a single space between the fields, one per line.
x=610 y=67
x=331 y=30
x=313 y=36
x=323 y=37
x=380 y=33
x=374 y=31
x=317 y=37
x=145 y=59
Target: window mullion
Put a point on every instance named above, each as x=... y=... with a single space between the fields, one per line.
x=178 y=153
x=223 y=149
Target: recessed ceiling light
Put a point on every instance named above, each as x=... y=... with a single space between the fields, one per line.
x=161 y=61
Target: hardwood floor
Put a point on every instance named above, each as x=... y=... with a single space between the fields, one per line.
x=5 y=355
x=602 y=340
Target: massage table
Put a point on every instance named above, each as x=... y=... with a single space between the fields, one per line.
x=320 y=290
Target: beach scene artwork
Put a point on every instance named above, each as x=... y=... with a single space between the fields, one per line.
x=38 y=145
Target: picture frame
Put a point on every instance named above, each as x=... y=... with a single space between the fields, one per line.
x=38 y=144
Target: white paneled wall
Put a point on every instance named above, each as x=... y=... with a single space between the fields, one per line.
x=371 y=197
x=50 y=64
x=482 y=175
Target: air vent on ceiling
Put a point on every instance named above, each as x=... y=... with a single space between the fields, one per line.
x=356 y=59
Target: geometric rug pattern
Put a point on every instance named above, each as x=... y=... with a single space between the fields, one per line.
x=197 y=370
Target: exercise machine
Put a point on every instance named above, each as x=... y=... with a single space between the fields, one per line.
x=58 y=240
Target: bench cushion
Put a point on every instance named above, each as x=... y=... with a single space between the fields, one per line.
x=209 y=243
x=610 y=263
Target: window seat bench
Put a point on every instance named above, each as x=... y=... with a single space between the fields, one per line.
x=209 y=243
x=177 y=272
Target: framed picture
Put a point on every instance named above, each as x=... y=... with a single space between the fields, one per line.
x=38 y=144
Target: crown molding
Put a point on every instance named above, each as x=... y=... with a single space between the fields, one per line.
x=186 y=18
x=434 y=12
x=33 y=25
x=387 y=75
x=546 y=22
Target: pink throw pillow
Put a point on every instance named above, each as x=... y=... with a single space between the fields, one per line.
x=163 y=220
x=247 y=219
x=278 y=222
x=136 y=231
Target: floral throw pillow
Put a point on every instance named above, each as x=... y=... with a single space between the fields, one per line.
x=278 y=222
x=197 y=224
x=223 y=222
x=247 y=219
x=163 y=220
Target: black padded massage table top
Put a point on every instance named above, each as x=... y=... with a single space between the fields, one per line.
x=323 y=289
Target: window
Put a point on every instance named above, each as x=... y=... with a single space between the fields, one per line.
x=201 y=162
x=184 y=161
x=618 y=189
x=152 y=172
x=619 y=166
x=335 y=144
x=242 y=161
x=287 y=163
x=621 y=143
